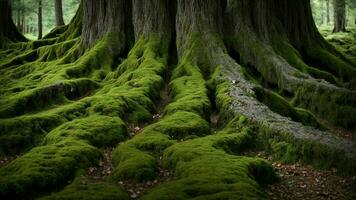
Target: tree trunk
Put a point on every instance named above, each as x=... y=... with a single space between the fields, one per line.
x=339 y=16
x=39 y=16
x=59 y=12
x=107 y=16
x=326 y=12
x=8 y=30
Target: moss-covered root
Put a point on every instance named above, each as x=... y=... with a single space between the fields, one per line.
x=290 y=74
x=137 y=159
x=206 y=169
x=304 y=143
x=83 y=188
x=66 y=149
x=281 y=106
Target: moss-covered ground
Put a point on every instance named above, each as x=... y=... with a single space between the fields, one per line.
x=344 y=41
x=60 y=106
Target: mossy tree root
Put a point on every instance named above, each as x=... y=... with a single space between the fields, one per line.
x=260 y=46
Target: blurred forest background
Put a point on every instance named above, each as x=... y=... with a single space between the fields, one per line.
x=29 y=14
x=323 y=12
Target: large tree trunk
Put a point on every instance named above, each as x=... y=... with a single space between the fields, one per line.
x=8 y=30
x=39 y=19
x=59 y=12
x=339 y=16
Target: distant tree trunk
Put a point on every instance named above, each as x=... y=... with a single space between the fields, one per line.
x=8 y=30
x=59 y=12
x=339 y=16
x=18 y=20
x=326 y=13
x=39 y=19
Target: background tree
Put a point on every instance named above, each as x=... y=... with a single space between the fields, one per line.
x=326 y=15
x=39 y=16
x=339 y=16
x=8 y=30
x=59 y=12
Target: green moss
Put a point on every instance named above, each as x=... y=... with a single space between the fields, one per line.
x=56 y=51
x=343 y=41
x=337 y=105
x=189 y=94
x=66 y=149
x=204 y=170
x=295 y=59
x=83 y=188
x=289 y=149
x=45 y=167
x=39 y=98
x=329 y=62
x=181 y=125
x=223 y=98
x=57 y=31
x=19 y=133
x=279 y=105
x=133 y=164
x=135 y=159
x=99 y=131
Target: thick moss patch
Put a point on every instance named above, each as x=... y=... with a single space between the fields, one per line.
x=84 y=188
x=206 y=169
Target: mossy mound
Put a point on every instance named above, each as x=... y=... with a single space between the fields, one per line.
x=84 y=188
x=74 y=115
x=209 y=168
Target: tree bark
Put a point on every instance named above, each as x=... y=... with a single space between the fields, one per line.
x=326 y=12
x=39 y=16
x=339 y=16
x=107 y=16
x=59 y=12
x=8 y=30
x=152 y=16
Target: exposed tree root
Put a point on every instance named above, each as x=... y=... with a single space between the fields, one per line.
x=288 y=71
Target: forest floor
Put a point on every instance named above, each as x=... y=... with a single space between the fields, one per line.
x=301 y=181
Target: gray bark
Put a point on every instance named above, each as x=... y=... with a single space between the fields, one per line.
x=152 y=16
x=339 y=16
x=39 y=15
x=8 y=30
x=106 y=16
x=59 y=12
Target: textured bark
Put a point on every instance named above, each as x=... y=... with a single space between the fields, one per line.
x=280 y=39
x=39 y=15
x=152 y=16
x=198 y=17
x=59 y=12
x=339 y=16
x=326 y=13
x=8 y=30
x=107 y=16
